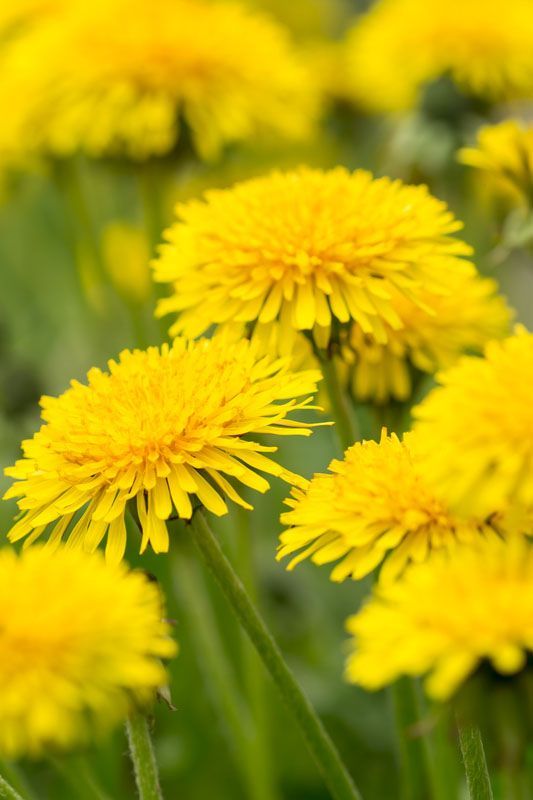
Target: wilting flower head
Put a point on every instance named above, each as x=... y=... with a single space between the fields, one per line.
x=505 y=153
x=374 y=506
x=163 y=426
x=475 y=430
x=447 y=616
x=486 y=46
x=80 y=643
x=432 y=337
x=115 y=77
x=308 y=248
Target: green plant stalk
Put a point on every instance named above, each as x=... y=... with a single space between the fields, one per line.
x=212 y=658
x=87 y=250
x=321 y=746
x=143 y=757
x=152 y=185
x=251 y=665
x=7 y=792
x=77 y=774
x=345 y=424
x=419 y=778
x=13 y=775
x=475 y=764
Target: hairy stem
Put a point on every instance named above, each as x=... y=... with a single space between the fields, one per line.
x=143 y=757
x=476 y=770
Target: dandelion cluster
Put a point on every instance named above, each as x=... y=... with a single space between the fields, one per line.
x=114 y=110
x=400 y=46
x=81 y=643
x=308 y=248
x=446 y=617
x=161 y=427
x=374 y=506
x=116 y=77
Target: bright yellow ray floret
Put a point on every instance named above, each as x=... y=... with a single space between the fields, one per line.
x=80 y=644
x=431 y=338
x=308 y=248
x=374 y=506
x=476 y=430
x=445 y=617
x=400 y=46
x=505 y=153
x=165 y=427
x=115 y=77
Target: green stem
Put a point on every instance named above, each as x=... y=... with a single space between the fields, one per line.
x=143 y=757
x=476 y=770
x=326 y=756
x=251 y=665
x=89 y=261
x=415 y=757
x=345 y=425
x=219 y=679
x=78 y=775
x=13 y=775
x=7 y=792
x=152 y=185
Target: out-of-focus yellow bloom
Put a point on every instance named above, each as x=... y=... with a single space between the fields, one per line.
x=505 y=153
x=327 y=59
x=127 y=256
x=309 y=19
x=475 y=430
x=400 y=46
x=161 y=426
x=445 y=617
x=431 y=338
x=307 y=248
x=374 y=506
x=116 y=76
x=80 y=644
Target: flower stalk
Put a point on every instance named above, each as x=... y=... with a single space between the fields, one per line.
x=212 y=658
x=143 y=757
x=345 y=425
x=473 y=752
x=7 y=792
x=320 y=744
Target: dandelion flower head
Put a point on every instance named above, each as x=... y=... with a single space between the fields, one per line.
x=114 y=77
x=307 y=248
x=373 y=507
x=476 y=430
x=166 y=427
x=73 y=666
x=432 y=337
x=485 y=46
x=505 y=153
x=446 y=617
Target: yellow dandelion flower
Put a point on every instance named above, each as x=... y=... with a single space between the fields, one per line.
x=431 y=338
x=476 y=430
x=505 y=153
x=161 y=427
x=74 y=665
x=447 y=616
x=374 y=506
x=486 y=46
x=116 y=76
x=306 y=248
